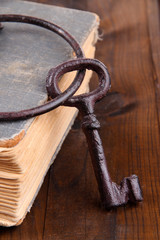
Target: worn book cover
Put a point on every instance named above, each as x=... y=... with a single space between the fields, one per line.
x=27 y=53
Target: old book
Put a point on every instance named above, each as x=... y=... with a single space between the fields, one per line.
x=28 y=148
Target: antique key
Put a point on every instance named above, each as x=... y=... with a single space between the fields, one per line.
x=112 y=195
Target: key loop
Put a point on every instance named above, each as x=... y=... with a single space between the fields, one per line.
x=60 y=99
x=80 y=64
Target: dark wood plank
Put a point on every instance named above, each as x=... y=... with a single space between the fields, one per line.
x=130 y=134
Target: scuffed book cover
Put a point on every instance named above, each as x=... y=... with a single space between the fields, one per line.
x=28 y=52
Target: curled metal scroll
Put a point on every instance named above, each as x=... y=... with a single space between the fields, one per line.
x=112 y=195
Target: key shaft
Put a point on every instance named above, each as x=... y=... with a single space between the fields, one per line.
x=112 y=195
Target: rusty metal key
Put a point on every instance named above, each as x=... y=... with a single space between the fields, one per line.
x=112 y=195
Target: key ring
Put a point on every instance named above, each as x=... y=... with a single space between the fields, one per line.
x=80 y=64
x=59 y=100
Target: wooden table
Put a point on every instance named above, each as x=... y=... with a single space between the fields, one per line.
x=68 y=205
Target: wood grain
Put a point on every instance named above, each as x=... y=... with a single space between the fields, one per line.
x=129 y=116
